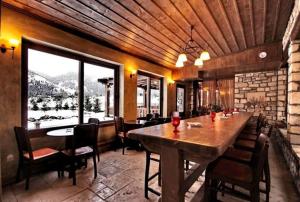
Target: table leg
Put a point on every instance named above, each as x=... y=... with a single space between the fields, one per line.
x=172 y=168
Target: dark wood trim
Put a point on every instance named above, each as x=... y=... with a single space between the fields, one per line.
x=27 y=44
x=80 y=34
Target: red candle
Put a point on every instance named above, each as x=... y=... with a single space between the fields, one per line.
x=212 y=116
x=175 y=121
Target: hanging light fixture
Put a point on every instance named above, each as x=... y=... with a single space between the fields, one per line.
x=192 y=47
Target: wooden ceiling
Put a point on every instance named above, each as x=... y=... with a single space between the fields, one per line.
x=158 y=29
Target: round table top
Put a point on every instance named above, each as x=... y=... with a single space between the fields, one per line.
x=61 y=132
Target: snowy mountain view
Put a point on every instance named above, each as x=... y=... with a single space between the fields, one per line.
x=53 y=91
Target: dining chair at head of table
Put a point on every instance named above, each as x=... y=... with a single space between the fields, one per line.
x=120 y=132
x=83 y=144
x=29 y=158
x=97 y=122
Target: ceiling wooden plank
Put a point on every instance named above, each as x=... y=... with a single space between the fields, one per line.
x=251 y=13
x=205 y=15
x=187 y=11
x=240 y=23
x=69 y=21
x=227 y=22
x=167 y=7
x=100 y=17
x=284 y=15
x=270 y=20
x=276 y=20
x=220 y=17
x=165 y=26
x=264 y=20
x=258 y=8
x=233 y=14
x=104 y=28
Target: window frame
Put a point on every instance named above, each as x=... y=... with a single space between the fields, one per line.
x=161 y=99
x=27 y=44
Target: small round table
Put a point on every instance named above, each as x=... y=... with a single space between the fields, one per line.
x=61 y=132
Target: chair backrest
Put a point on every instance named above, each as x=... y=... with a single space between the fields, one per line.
x=23 y=141
x=168 y=120
x=94 y=120
x=259 y=155
x=149 y=117
x=155 y=115
x=270 y=131
x=119 y=124
x=85 y=135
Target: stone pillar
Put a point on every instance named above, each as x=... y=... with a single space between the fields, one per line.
x=293 y=119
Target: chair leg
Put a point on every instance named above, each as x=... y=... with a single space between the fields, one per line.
x=28 y=175
x=187 y=164
x=159 y=174
x=147 y=173
x=254 y=194
x=20 y=166
x=73 y=171
x=123 y=146
x=98 y=156
x=268 y=179
x=95 y=166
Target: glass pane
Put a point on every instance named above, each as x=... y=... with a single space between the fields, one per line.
x=180 y=99
x=142 y=95
x=52 y=90
x=98 y=92
x=155 y=96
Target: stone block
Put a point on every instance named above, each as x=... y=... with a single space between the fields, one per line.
x=270 y=73
x=281 y=87
x=262 y=84
x=294 y=67
x=294 y=57
x=294 y=129
x=294 y=109
x=281 y=78
x=281 y=92
x=295 y=77
x=253 y=85
x=273 y=99
x=294 y=120
x=241 y=85
x=237 y=101
x=271 y=94
x=243 y=101
x=260 y=89
x=294 y=98
x=294 y=86
x=236 y=91
x=273 y=88
x=239 y=96
x=272 y=84
x=281 y=98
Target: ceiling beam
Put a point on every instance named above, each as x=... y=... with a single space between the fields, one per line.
x=252 y=22
x=264 y=21
x=293 y=27
x=247 y=57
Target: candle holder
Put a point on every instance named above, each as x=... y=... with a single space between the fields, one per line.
x=175 y=121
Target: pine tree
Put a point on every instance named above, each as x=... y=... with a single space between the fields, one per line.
x=97 y=106
x=88 y=104
x=34 y=107
x=45 y=107
x=66 y=106
x=73 y=107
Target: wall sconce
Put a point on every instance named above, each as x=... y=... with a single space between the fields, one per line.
x=133 y=73
x=171 y=82
x=13 y=43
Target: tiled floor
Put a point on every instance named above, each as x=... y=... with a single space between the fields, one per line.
x=121 y=178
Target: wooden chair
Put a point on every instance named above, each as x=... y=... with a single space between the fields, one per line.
x=149 y=117
x=120 y=132
x=82 y=145
x=149 y=178
x=29 y=158
x=224 y=171
x=97 y=122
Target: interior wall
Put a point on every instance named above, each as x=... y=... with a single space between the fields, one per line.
x=17 y=25
x=270 y=86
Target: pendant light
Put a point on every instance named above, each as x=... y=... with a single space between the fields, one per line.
x=192 y=47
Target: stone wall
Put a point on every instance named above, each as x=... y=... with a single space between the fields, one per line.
x=291 y=154
x=270 y=84
x=294 y=92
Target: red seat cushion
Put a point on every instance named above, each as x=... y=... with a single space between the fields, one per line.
x=41 y=153
x=231 y=171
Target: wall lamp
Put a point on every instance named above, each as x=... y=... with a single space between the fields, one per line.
x=13 y=43
x=133 y=73
x=171 y=82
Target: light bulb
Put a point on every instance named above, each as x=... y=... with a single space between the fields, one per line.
x=204 y=56
x=198 y=62
x=182 y=57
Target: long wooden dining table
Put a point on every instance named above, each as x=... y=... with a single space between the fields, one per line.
x=201 y=145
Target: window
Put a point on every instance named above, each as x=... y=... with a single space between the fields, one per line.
x=63 y=89
x=180 y=95
x=149 y=94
